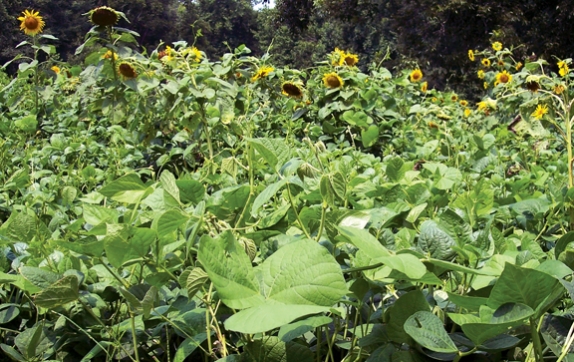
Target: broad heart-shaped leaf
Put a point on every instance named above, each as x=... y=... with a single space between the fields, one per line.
x=534 y=288
x=436 y=241
x=428 y=331
x=370 y=135
x=168 y=183
x=272 y=349
x=395 y=171
x=293 y=330
x=302 y=272
x=129 y=182
x=407 y=264
x=492 y=323
x=407 y=305
x=269 y=316
x=266 y=195
x=39 y=277
x=230 y=271
x=274 y=151
x=64 y=291
x=563 y=242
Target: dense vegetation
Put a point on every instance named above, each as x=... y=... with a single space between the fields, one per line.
x=169 y=205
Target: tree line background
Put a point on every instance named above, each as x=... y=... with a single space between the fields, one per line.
x=432 y=34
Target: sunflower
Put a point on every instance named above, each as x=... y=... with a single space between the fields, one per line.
x=416 y=75
x=497 y=46
x=424 y=87
x=485 y=85
x=559 y=89
x=291 y=89
x=463 y=103
x=482 y=106
x=518 y=66
x=333 y=80
x=109 y=54
x=55 y=69
x=350 y=59
x=500 y=63
x=480 y=74
x=431 y=125
x=503 y=77
x=262 y=72
x=486 y=62
x=193 y=53
x=533 y=86
x=563 y=68
x=540 y=111
x=454 y=97
x=467 y=112
x=127 y=70
x=338 y=57
x=471 y=55
x=31 y=22
x=104 y=16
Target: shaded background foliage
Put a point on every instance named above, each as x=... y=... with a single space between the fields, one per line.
x=433 y=34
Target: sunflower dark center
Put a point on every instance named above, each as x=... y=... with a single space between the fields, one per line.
x=504 y=78
x=292 y=90
x=127 y=70
x=31 y=23
x=333 y=81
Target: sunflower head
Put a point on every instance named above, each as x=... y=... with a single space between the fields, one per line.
x=424 y=87
x=262 y=73
x=463 y=103
x=559 y=89
x=193 y=53
x=104 y=16
x=503 y=77
x=109 y=55
x=486 y=62
x=485 y=85
x=518 y=66
x=31 y=22
x=291 y=89
x=480 y=74
x=338 y=57
x=333 y=80
x=471 y=55
x=127 y=71
x=454 y=97
x=563 y=68
x=55 y=69
x=467 y=112
x=497 y=46
x=350 y=59
x=416 y=75
x=540 y=111
x=533 y=86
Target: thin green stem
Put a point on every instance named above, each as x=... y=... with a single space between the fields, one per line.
x=297 y=213
x=536 y=343
x=322 y=224
x=134 y=336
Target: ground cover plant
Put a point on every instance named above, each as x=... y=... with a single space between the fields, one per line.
x=169 y=207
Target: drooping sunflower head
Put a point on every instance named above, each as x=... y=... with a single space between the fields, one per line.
x=350 y=59
x=104 y=16
x=416 y=75
x=518 y=66
x=486 y=62
x=503 y=77
x=533 y=86
x=471 y=55
x=497 y=46
x=424 y=87
x=55 y=69
x=127 y=71
x=333 y=80
x=563 y=68
x=540 y=111
x=485 y=85
x=292 y=89
x=31 y=22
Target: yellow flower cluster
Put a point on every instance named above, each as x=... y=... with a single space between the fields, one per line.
x=340 y=58
x=563 y=68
